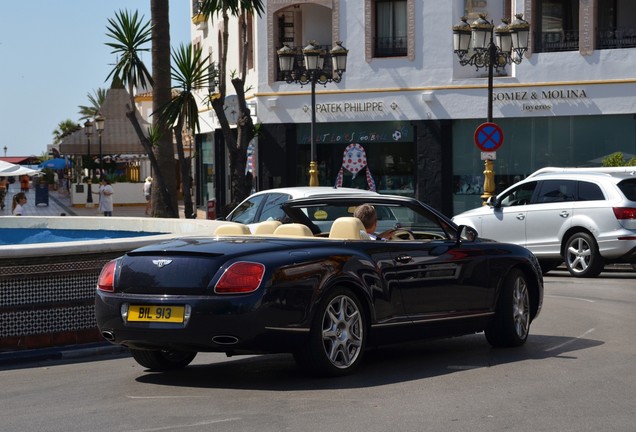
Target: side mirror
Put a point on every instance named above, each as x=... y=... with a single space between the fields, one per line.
x=466 y=233
x=492 y=202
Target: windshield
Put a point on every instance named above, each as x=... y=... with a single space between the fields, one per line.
x=389 y=217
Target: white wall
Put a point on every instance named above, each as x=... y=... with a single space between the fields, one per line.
x=434 y=85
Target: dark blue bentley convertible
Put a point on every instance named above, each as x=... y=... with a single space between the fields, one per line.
x=316 y=285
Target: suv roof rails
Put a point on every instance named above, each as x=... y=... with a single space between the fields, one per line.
x=582 y=170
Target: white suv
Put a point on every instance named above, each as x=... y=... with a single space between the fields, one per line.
x=583 y=217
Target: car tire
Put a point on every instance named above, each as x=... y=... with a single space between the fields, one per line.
x=337 y=337
x=511 y=324
x=582 y=257
x=162 y=360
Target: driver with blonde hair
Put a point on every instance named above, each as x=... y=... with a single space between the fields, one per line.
x=367 y=214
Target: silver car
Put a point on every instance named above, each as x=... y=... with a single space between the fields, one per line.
x=266 y=205
x=585 y=218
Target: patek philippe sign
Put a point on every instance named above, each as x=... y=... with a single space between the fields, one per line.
x=539 y=100
x=350 y=107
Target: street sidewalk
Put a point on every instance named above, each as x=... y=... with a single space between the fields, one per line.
x=59 y=204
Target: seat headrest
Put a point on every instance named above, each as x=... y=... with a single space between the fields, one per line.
x=232 y=229
x=293 y=229
x=266 y=227
x=349 y=228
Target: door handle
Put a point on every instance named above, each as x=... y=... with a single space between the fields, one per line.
x=404 y=259
x=521 y=216
x=564 y=214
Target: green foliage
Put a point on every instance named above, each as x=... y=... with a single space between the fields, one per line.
x=189 y=72
x=617 y=160
x=235 y=7
x=64 y=129
x=130 y=34
x=96 y=101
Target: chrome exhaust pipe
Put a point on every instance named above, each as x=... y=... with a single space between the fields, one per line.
x=108 y=335
x=225 y=340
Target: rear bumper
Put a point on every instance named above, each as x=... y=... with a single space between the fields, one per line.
x=215 y=325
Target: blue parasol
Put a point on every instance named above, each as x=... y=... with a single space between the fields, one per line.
x=55 y=164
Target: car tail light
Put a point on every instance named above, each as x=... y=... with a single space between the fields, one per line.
x=106 y=281
x=624 y=212
x=240 y=278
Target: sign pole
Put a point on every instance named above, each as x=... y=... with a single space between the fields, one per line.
x=489 y=173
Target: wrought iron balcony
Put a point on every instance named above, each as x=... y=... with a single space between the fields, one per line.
x=390 y=47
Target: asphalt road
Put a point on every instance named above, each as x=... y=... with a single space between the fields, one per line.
x=576 y=373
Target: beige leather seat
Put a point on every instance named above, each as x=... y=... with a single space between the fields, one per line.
x=293 y=230
x=348 y=228
x=266 y=227
x=232 y=229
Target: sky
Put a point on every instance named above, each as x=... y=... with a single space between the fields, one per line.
x=52 y=55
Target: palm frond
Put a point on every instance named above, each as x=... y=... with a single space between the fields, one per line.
x=234 y=7
x=130 y=34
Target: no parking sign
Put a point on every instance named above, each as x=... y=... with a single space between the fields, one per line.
x=488 y=137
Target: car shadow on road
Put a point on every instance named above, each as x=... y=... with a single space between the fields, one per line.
x=380 y=366
x=607 y=273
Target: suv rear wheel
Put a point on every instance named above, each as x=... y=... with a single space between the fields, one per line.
x=582 y=257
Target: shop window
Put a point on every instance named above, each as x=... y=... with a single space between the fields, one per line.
x=388 y=24
x=361 y=155
x=558 y=25
x=390 y=28
x=616 y=24
x=534 y=143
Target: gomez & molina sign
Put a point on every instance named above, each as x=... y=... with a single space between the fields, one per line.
x=538 y=100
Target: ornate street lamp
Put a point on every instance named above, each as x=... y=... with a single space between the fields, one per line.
x=313 y=71
x=99 y=126
x=88 y=130
x=482 y=45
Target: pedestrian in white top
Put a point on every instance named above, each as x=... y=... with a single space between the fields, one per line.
x=105 y=197
x=19 y=200
x=148 y=194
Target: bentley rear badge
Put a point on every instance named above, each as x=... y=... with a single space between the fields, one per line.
x=161 y=262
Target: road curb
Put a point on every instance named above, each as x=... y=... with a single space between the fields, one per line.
x=61 y=353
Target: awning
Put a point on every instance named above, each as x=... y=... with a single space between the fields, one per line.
x=8 y=169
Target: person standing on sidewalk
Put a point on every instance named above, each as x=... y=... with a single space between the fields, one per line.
x=148 y=194
x=19 y=200
x=105 y=197
x=4 y=186
x=24 y=183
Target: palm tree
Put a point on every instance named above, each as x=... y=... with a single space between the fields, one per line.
x=64 y=129
x=130 y=35
x=161 y=96
x=237 y=145
x=96 y=101
x=189 y=73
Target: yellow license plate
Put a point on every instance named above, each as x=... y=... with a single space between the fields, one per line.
x=150 y=313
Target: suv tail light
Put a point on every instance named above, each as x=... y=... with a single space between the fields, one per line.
x=106 y=281
x=240 y=278
x=624 y=212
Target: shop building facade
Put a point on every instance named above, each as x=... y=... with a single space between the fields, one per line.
x=411 y=106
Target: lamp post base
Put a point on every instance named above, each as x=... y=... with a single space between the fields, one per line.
x=489 y=180
x=313 y=173
x=89 y=195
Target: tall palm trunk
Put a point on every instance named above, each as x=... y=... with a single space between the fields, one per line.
x=161 y=95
